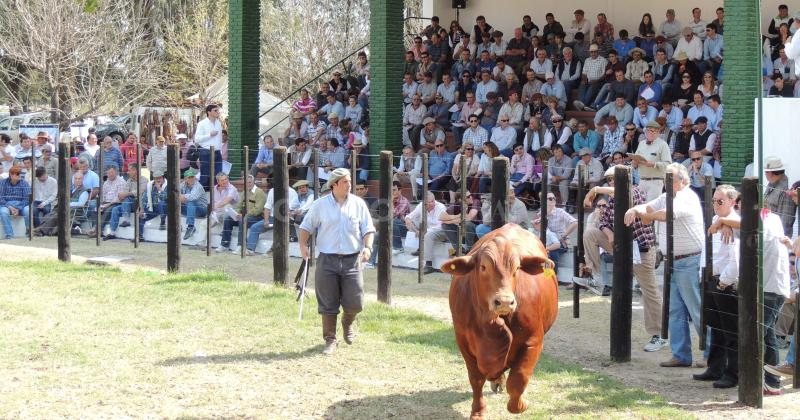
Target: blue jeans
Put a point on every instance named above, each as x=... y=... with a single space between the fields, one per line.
x=588 y=91
x=192 y=209
x=399 y=231
x=772 y=307
x=5 y=215
x=161 y=210
x=481 y=230
x=124 y=208
x=790 y=354
x=521 y=187
x=602 y=97
x=254 y=231
x=508 y=152
x=205 y=166
x=227 y=229
x=684 y=302
x=555 y=255
x=39 y=212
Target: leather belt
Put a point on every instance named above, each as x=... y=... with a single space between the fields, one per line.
x=644 y=249
x=652 y=179
x=342 y=255
x=680 y=257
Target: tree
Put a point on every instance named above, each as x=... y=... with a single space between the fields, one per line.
x=196 y=48
x=79 y=56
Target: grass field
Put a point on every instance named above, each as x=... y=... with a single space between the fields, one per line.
x=80 y=341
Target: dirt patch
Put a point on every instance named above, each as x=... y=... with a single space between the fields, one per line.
x=583 y=341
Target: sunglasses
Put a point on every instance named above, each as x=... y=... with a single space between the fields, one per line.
x=469 y=148
x=630 y=129
x=439 y=145
x=504 y=120
x=696 y=159
x=602 y=206
x=472 y=121
x=719 y=202
x=685 y=77
x=551 y=199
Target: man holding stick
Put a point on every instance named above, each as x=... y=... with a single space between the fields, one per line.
x=344 y=238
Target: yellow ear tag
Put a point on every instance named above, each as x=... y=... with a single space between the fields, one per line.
x=453 y=267
x=548 y=271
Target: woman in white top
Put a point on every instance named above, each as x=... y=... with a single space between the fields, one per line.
x=709 y=86
x=472 y=164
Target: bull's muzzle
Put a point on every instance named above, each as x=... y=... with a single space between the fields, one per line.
x=504 y=303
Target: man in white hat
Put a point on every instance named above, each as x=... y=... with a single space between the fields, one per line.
x=429 y=134
x=651 y=159
x=554 y=87
x=691 y=45
x=775 y=194
x=345 y=232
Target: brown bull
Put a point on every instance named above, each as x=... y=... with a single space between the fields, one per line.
x=503 y=298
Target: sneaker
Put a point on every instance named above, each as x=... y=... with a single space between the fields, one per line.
x=590 y=108
x=221 y=248
x=429 y=269
x=397 y=251
x=124 y=223
x=579 y=106
x=771 y=390
x=784 y=369
x=237 y=250
x=109 y=236
x=656 y=343
x=76 y=230
x=369 y=265
x=606 y=290
x=415 y=253
x=189 y=232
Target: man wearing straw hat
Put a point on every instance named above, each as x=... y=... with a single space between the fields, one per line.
x=345 y=232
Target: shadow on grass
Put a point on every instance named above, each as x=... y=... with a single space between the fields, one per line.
x=243 y=357
x=424 y=404
x=194 y=277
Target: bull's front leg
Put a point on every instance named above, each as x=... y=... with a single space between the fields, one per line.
x=521 y=371
x=476 y=380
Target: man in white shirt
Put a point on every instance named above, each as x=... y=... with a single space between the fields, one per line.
x=689 y=239
x=434 y=233
x=691 y=45
x=504 y=136
x=208 y=134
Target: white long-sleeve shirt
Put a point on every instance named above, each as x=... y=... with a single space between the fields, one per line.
x=47 y=191
x=726 y=257
x=693 y=49
x=203 y=137
x=792 y=49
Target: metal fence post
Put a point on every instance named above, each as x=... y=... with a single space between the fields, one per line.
x=543 y=203
x=578 y=250
x=246 y=207
x=211 y=178
x=99 y=219
x=136 y=213
x=462 y=189
x=708 y=270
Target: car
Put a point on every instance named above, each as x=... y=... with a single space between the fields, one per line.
x=117 y=129
x=10 y=125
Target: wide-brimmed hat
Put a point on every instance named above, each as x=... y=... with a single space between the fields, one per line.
x=585 y=151
x=681 y=56
x=428 y=120
x=300 y=183
x=773 y=164
x=634 y=50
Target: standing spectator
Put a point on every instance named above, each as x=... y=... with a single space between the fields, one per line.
x=560 y=172
x=208 y=134
x=433 y=211
x=521 y=170
x=128 y=151
x=157 y=158
x=400 y=209
x=552 y=27
x=689 y=239
x=652 y=157
x=451 y=221
x=720 y=20
x=776 y=197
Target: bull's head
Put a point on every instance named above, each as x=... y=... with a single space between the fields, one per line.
x=496 y=267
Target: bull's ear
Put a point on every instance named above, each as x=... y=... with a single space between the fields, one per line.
x=459 y=265
x=533 y=264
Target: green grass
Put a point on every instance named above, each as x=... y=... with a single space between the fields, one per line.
x=98 y=342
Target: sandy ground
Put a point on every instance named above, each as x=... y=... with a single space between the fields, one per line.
x=583 y=340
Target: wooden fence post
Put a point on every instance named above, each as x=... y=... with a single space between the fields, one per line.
x=621 y=293
x=136 y=211
x=280 y=214
x=462 y=189
x=64 y=186
x=385 y=229
x=99 y=219
x=423 y=225
x=500 y=179
x=543 y=204
x=751 y=336
x=211 y=184
x=173 y=209
x=578 y=250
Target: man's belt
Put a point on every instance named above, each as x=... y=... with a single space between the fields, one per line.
x=680 y=257
x=341 y=255
x=652 y=179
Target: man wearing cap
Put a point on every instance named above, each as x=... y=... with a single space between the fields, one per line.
x=154 y=203
x=428 y=135
x=602 y=236
x=594 y=171
x=579 y=24
x=670 y=28
x=651 y=159
x=194 y=202
x=689 y=239
x=14 y=193
x=776 y=198
x=362 y=160
x=256 y=198
x=339 y=86
x=305 y=198
x=592 y=78
x=345 y=232
x=703 y=139
x=208 y=134
x=554 y=87
x=691 y=45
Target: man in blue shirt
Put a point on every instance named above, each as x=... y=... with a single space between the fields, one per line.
x=643 y=114
x=263 y=163
x=554 y=87
x=585 y=138
x=712 y=50
x=440 y=163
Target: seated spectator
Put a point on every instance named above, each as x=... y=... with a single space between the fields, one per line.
x=485 y=86
x=47 y=162
x=46 y=191
x=440 y=163
x=194 y=202
x=698 y=170
x=300 y=156
x=779 y=88
x=464 y=46
x=533 y=136
x=362 y=161
x=650 y=90
x=541 y=65
x=715 y=103
x=700 y=109
x=558 y=134
x=409 y=90
x=226 y=198
x=467 y=110
x=585 y=138
x=412 y=121
x=560 y=172
x=266 y=221
x=552 y=244
x=408 y=170
x=703 y=139
x=691 y=45
x=681 y=141
x=644 y=114
x=594 y=174
x=305 y=105
x=672 y=114
x=521 y=170
x=264 y=161
x=504 y=136
x=451 y=220
x=127 y=200
x=315 y=132
x=649 y=45
x=113 y=188
x=490 y=111
x=154 y=203
x=580 y=48
x=536 y=107
x=709 y=86
x=305 y=198
x=531 y=88
x=426 y=89
x=554 y=87
x=335 y=157
x=623 y=45
x=517 y=213
x=472 y=162
x=620 y=86
x=14 y=193
x=619 y=109
x=510 y=84
x=662 y=70
x=433 y=211
x=475 y=134
x=25 y=148
x=613 y=139
x=400 y=209
x=568 y=71
x=592 y=78
x=513 y=110
x=682 y=66
x=485 y=63
x=501 y=70
x=447 y=90
x=353 y=112
x=429 y=135
x=490 y=151
x=558 y=221
x=785 y=66
x=604 y=45
x=551 y=109
x=555 y=48
x=332 y=106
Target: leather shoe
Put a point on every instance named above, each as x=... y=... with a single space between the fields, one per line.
x=705 y=376
x=673 y=362
x=725 y=382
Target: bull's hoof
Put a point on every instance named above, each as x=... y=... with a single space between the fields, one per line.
x=499 y=384
x=477 y=416
x=518 y=407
